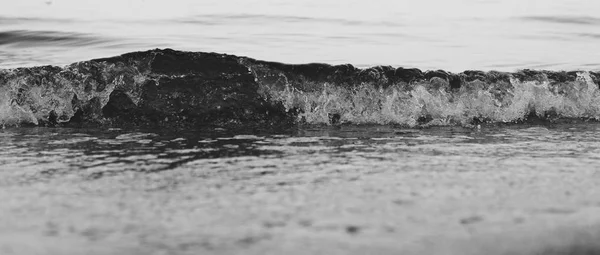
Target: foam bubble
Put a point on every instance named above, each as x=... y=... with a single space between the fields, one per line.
x=434 y=103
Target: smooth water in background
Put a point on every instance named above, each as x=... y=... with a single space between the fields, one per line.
x=334 y=190
x=430 y=34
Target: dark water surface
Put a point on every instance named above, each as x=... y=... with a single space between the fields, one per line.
x=97 y=152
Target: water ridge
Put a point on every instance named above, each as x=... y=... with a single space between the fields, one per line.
x=195 y=89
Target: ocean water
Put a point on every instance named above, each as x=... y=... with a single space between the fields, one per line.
x=450 y=35
x=402 y=171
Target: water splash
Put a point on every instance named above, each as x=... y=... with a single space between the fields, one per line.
x=193 y=89
x=51 y=94
x=433 y=103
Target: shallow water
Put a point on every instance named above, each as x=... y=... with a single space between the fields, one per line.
x=351 y=189
x=312 y=189
x=449 y=35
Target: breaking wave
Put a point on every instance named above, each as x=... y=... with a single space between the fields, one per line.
x=430 y=102
x=195 y=89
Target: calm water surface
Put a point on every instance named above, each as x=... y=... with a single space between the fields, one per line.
x=431 y=34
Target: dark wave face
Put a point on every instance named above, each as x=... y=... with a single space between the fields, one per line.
x=196 y=89
x=25 y=38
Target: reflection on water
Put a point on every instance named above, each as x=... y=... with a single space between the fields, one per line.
x=98 y=152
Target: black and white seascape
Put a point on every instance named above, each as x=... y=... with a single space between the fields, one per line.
x=299 y=127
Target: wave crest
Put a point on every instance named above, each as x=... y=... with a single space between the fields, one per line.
x=433 y=102
x=191 y=89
